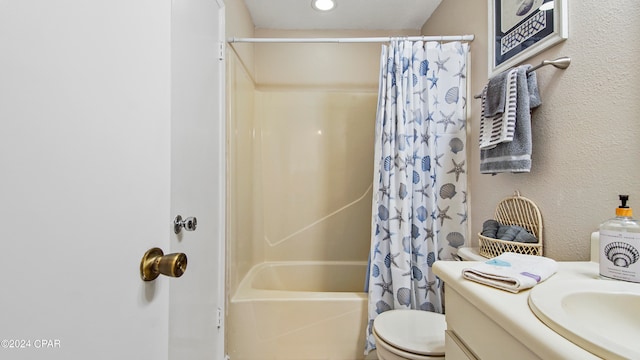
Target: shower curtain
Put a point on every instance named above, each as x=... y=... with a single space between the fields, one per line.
x=420 y=181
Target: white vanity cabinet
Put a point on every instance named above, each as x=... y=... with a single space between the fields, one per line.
x=488 y=323
x=477 y=335
x=455 y=348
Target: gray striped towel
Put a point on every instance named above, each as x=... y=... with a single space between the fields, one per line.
x=498 y=125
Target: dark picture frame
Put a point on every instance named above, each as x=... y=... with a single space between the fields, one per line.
x=521 y=29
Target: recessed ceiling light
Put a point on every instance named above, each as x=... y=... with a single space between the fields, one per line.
x=323 y=5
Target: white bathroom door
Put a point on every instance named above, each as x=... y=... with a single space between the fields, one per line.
x=89 y=152
x=196 y=322
x=85 y=93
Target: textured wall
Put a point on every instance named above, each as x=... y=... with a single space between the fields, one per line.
x=585 y=134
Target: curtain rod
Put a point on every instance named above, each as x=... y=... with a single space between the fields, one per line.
x=352 y=40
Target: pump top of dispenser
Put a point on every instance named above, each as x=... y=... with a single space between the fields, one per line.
x=623 y=210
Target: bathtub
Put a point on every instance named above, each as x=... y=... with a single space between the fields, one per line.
x=299 y=310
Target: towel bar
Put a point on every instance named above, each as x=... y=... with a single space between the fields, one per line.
x=560 y=63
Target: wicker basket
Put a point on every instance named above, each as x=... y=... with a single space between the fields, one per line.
x=515 y=210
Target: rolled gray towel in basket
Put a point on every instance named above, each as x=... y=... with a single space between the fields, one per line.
x=494 y=230
x=525 y=237
x=490 y=229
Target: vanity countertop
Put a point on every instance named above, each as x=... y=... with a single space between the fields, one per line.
x=511 y=311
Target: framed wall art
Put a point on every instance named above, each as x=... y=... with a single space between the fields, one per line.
x=520 y=29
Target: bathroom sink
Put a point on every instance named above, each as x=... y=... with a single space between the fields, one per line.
x=601 y=316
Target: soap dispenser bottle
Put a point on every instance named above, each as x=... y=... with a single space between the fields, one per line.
x=620 y=245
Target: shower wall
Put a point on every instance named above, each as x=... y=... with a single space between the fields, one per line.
x=301 y=127
x=244 y=207
x=317 y=167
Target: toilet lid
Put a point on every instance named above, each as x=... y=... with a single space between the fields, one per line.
x=415 y=331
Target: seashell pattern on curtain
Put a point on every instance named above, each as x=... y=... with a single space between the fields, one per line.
x=419 y=211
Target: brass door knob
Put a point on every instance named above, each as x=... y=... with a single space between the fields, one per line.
x=155 y=262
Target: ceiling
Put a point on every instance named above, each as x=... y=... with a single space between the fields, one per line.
x=348 y=14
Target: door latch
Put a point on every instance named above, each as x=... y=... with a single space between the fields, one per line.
x=189 y=224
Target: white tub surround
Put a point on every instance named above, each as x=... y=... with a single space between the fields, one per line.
x=299 y=310
x=479 y=317
x=284 y=280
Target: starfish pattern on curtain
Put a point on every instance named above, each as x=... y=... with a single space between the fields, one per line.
x=419 y=209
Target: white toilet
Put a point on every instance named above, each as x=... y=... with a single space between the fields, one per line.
x=409 y=334
x=414 y=334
